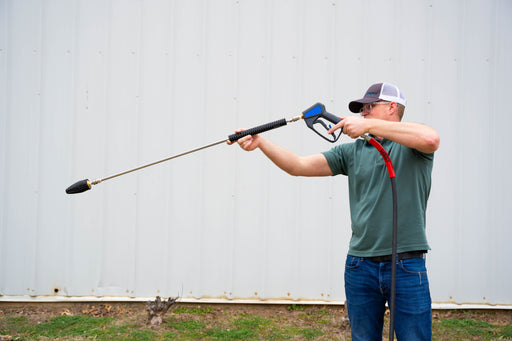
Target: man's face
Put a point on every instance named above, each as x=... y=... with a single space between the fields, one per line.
x=379 y=110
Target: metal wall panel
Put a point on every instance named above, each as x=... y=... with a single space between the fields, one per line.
x=91 y=88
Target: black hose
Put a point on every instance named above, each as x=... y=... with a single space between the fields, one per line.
x=394 y=260
x=391 y=172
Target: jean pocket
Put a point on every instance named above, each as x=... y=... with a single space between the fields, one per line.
x=412 y=275
x=413 y=266
x=352 y=262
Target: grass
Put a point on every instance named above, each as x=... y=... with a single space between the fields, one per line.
x=468 y=329
x=294 y=322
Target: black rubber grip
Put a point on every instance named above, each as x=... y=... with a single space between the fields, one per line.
x=332 y=118
x=259 y=129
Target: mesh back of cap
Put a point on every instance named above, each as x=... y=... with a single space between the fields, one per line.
x=392 y=93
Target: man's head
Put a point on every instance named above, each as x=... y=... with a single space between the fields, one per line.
x=380 y=94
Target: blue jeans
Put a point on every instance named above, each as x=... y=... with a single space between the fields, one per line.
x=367 y=288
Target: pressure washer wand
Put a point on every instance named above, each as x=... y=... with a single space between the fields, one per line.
x=86 y=184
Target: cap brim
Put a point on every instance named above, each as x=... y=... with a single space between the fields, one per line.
x=355 y=106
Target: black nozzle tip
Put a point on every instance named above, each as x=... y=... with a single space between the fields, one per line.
x=79 y=187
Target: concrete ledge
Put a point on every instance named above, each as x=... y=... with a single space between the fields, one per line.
x=206 y=300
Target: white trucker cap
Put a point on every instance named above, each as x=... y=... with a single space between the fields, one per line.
x=378 y=92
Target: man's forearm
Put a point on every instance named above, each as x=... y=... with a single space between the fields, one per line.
x=291 y=163
x=413 y=135
x=281 y=157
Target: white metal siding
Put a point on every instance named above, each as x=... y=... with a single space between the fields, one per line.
x=91 y=88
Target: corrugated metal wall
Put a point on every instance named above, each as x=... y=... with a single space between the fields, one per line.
x=91 y=88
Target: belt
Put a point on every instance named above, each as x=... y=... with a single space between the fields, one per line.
x=401 y=256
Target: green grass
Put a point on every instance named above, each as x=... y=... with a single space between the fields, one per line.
x=462 y=329
x=205 y=323
x=296 y=307
x=177 y=326
x=71 y=326
x=190 y=310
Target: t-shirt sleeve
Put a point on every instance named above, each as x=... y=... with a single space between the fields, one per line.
x=424 y=156
x=336 y=161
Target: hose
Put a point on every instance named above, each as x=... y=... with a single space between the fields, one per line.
x=392 y=177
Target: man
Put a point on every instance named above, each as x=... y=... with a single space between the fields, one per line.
x=368 y=265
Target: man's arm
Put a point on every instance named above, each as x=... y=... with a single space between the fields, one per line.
x=412 y=135
x=312 y=165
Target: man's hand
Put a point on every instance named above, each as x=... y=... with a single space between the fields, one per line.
x=248 y=143
x=353 y=126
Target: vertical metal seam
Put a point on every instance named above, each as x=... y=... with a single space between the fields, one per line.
x=428 y=61
x=104 y=209
x=235 y=178
x=331 y=208
x=497 y=33
x=267 y=100
x=138 y=140
x=298 y=186
x=170 y=72
x=460 y=108
x=75 y=68
x=202 y=162
x=38 y=149
x=5 y=108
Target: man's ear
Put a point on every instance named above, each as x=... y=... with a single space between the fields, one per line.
x=393 y=109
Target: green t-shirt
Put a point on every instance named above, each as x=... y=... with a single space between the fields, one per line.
x=371 y=200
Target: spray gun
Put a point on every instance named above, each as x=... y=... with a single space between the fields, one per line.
x=316 y=118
